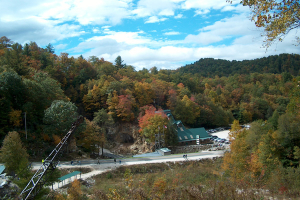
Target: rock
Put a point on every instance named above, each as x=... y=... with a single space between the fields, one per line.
x=9 y=191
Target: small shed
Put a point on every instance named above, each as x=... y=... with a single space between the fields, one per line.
x=164 y=151
x=69 y=176
x=2 y=168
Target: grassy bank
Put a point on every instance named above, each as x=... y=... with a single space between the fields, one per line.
x=202 y=179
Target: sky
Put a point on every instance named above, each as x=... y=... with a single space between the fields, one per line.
x=167 y=34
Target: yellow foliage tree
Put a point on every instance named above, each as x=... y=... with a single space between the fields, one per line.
x=236 y=162
x=112 y=102
x=56 y=139
x=277 y=17
x=92 y=136
x=15 y=117
x=143 y=93
x=75 y=192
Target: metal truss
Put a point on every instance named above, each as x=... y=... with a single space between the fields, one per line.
x=40 y=177
x=159 y=141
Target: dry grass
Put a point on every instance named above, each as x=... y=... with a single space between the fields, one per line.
x=180 y=180
x=202 y=179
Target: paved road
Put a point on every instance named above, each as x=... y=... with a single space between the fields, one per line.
x=137 y=160
x=108 y=164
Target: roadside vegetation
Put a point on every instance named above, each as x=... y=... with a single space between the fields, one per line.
x=203 y=179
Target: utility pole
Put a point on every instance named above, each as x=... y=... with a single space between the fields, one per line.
x=25 y=126
x=159 y=139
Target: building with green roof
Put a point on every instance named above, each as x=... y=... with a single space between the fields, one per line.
x=187 y=136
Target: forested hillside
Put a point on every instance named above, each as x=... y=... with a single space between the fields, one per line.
x=54 y=89
x=277 y=64
x=48 y=92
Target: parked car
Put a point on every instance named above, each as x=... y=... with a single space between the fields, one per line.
x=222 y=140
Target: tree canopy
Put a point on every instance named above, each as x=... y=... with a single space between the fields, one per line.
x=13 y=154
x=277 y=17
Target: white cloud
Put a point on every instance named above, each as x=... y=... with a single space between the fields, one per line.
x=204 y=4
x=52 y=21
x=96 y=30
x=155 y=19
x=38 y=30
x=202 y=12
x=147 y=8
x=89 y=11
x=203 y=7
x=179 y=16
x=132 y=38
x=172 y=33
x=83 y=11
x=60 y=46
x=235 y=26
x=172 y=57
x=142 y=52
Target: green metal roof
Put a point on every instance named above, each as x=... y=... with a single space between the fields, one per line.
x=2 y=168
x=69 y=175
x=165 y=149
x=191 y=134
x=200 y=131
x=185 y=134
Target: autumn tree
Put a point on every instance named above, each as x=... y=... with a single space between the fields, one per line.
x=92 y=100
x=15 y=118
x=13 y=154
x=92 y=137
x=143 y=93
x=152 y=122
x=172 y=99
x=75 y=192
x=186 y=110
x=14 y=59
x=277 y=17
x=5 y=42
x=112 y=102
x=125 y=108
x=160 y=89
x=236 y=161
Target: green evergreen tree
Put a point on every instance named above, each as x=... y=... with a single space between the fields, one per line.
x=13 y=154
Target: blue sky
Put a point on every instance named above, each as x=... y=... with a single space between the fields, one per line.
x=145 y=33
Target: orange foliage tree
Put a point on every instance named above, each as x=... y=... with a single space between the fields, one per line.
x=125 y=108
x=152 y=122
